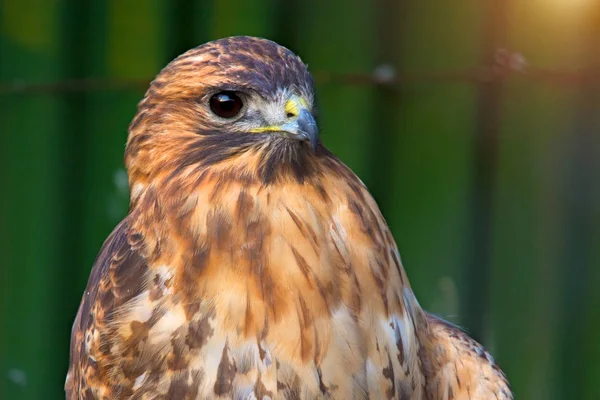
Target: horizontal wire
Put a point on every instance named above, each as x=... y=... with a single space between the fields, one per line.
x=382 y=76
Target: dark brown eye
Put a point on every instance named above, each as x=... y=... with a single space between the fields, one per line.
x=226 y=104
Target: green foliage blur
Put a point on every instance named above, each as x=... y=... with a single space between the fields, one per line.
x=525 y=283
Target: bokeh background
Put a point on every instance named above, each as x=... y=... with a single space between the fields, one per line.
x=475 y=124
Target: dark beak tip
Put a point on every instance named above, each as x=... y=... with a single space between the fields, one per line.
x=308 y=127
x=314 y=144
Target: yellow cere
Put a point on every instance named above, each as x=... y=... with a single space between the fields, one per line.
x=292 y=106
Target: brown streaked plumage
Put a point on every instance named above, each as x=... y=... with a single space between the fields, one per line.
x=253 y=264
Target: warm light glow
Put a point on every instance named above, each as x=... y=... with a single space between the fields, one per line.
x=567 y=10
x=569 y=4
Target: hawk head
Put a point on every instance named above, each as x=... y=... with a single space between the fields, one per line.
x=238 y=103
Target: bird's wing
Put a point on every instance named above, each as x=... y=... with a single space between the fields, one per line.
x=460 y=368
x=116 y=278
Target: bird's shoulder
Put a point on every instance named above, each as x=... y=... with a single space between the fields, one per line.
x=458 y=367
x=115 y=281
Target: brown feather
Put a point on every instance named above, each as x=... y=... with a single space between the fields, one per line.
x=251 y=265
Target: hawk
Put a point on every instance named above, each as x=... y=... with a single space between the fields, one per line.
x=253 y=263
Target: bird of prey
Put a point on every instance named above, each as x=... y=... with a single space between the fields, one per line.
x=253 y=263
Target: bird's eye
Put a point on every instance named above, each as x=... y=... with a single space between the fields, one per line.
x=226 y=104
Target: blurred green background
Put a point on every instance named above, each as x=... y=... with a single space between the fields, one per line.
x=475 y=123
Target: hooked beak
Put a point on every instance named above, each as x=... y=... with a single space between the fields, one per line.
x=303 y=128
x=300 y=124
